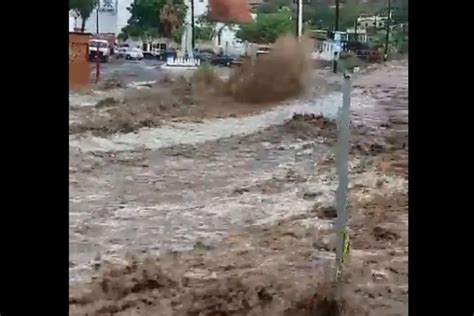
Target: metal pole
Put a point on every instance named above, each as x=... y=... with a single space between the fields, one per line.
x=97 y=53
x=336 y=23
x=300 y=18
x=387 y=37
x=355 y=32
x=342 y=162
x=193 y=41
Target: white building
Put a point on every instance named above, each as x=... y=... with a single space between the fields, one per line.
x=374 y=21
x=227 y=41
x=71 y=22
x=113 y=16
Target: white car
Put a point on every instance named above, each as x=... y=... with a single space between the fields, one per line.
x=122 y=52
x=134 y=53
x=99 y=48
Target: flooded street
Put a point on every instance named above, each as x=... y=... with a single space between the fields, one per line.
x=183 y=185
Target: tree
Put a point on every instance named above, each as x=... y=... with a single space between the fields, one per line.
x=272 y=6
x=84 y=9
x=400 y=12
x=154 y=18
x=323 y=16
x=205 y=29
x=267 y=27
x=349 y=14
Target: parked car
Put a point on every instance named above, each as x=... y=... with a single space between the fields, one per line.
x=168 y=53
x=99 y=49
x=134 y=54
x=222 y=60
x=205 y=55
x=122 y=52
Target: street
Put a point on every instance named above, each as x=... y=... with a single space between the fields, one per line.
x=216 y=202
x=236 y=201
x=128 y=70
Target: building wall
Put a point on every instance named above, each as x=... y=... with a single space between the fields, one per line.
x=200 y=7
x=326 y=51
x=228 y=42
x=71 y=23
x=372 y=22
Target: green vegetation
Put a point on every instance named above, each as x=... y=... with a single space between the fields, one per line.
x=155 y=18
x=204 y=29
x=267 y=27
x=84 y=8
x=322 y=16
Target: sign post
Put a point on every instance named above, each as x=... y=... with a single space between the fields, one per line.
x=97 y=53
x=342 y=162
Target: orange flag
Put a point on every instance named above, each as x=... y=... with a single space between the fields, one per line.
x=229 y=11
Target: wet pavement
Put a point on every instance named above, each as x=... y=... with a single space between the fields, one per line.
x=129 y=70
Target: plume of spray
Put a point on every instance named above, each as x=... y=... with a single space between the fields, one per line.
x=283 y=73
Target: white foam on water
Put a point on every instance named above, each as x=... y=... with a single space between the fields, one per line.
x=193 y=133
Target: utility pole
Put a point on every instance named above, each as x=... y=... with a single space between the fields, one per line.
x=300 y=18
x=336 y=28
x=97 y=53
x=355 y=32
x=97 y=19
x=193 y=40
x=387 y=37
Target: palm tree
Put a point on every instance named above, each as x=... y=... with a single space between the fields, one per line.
x=169 y=19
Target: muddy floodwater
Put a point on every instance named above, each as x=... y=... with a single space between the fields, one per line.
x=173 y=187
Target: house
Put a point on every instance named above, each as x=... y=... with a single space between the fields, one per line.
x=371 y=21
x=331 y=48
x=356 y=35
x=328 y=50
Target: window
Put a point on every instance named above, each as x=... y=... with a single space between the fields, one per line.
x=97 y=43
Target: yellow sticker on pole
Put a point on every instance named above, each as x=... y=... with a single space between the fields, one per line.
x=346 y=246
